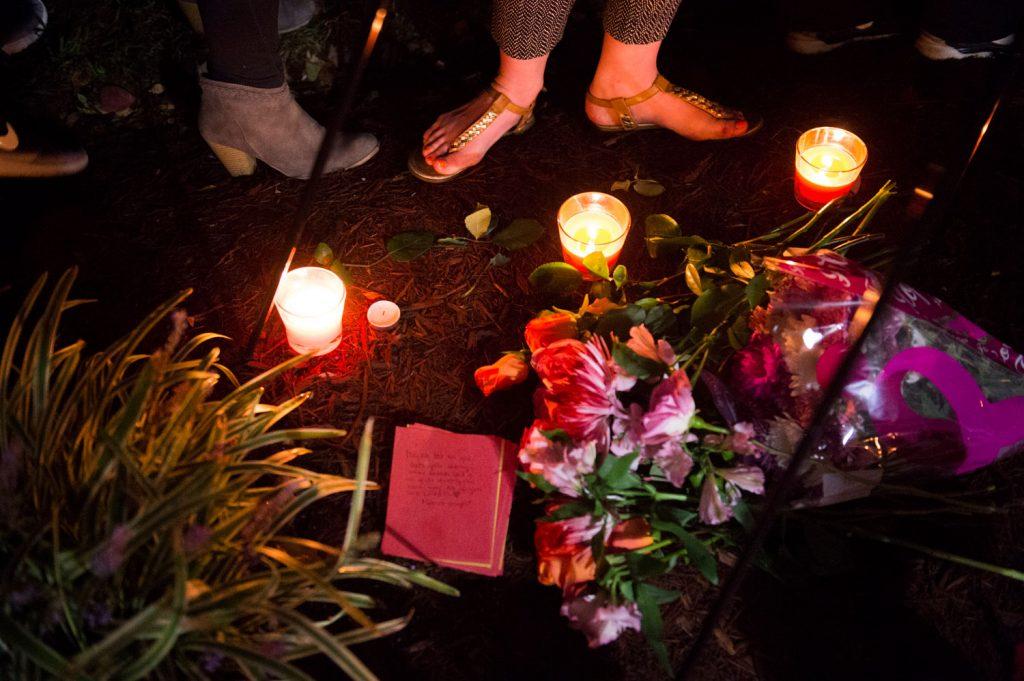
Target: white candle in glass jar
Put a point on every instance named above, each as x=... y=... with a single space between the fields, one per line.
x=311 y=301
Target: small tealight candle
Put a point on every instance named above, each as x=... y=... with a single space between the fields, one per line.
x=591 y=222
x=828 y=163
x=311 y=301
x=383 y=315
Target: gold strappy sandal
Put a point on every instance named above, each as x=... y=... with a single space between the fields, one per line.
x=418 y=165
x=627 y=122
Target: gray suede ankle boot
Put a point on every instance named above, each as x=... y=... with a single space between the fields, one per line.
x=242 y=124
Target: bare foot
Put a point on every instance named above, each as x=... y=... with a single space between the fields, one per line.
x=664 y=109
x=447 y=128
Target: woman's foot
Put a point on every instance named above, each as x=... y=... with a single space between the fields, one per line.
x=448 y=127
x=662 y=109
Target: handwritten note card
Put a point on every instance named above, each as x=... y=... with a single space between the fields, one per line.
x=449 y=498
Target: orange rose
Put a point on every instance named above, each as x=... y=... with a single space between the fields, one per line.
x=548 y=328
x=630 y=535
x=508 y=371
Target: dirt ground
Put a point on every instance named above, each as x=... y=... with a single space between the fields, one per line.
x=155 y=213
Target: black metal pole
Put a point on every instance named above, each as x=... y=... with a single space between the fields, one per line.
x=301 y=215
x=930 y=199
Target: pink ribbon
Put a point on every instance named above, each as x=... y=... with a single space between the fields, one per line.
x=986 y=428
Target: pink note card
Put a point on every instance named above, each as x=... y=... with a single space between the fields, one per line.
x=449 y=498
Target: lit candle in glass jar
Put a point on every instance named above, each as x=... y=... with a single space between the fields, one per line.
x=591 y=222
x=828 y=163
x=310 y=301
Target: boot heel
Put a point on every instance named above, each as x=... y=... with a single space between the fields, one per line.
x=235 y=161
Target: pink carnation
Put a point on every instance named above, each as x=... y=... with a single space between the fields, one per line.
x=759 y=371
x=581 y=383
x=599 y=619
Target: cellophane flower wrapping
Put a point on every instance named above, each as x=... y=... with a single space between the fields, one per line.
x=930 y=393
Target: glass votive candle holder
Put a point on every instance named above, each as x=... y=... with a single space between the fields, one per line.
x=828 y=164
x=311 y=301
x=591 y=222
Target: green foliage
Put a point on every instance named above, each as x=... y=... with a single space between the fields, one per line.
x=518 y=234
x=146 y=514
x=556 y=278
x=406 y=246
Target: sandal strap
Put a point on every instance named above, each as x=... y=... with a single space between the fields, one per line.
x=708 y=106
x=500 y=103
x=621 y=105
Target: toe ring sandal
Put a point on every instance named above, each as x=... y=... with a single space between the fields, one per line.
x=627 y=122
x=500 y=102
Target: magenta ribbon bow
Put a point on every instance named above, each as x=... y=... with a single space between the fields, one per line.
x=986 y=428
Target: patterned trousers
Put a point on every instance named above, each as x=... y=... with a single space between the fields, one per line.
x=526 y=29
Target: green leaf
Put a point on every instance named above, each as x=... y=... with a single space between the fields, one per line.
x=518 y=234
x=621 y=185
x=693 y=279
x=648 y=187
x=698 y=256
x=406 y=246
x=571 y=509
x=619 y=321
x=556 y=278
x=500 y=260
x=659 y=319
x=739 y=264
x=616 y=471
x=323 y=255
x=699 y=556
x=620 y=276
x=537 y=481
x=659 y=225
x=710 y=308
x=651 y=623
x=597 y=264
x=756 y=289
x=635 y=365
x=741 y=511
x=478 y=221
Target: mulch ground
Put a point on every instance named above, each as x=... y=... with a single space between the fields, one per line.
x=155 y=213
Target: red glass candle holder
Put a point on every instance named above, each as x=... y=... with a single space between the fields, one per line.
x=591 y=222
x=828 y=165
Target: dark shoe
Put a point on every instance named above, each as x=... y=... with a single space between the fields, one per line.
x=242 y=124
x=22 y=158
x=21 y=24
x=935 y=48
x=291 y=14
x=820 y=42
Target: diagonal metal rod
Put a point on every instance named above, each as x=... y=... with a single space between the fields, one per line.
x=924 y=212
x=301 y=215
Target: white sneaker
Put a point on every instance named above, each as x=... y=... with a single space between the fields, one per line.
x=935 y=48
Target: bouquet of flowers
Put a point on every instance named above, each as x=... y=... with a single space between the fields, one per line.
x=638 y=480
x=635 y=481
x=930 y=392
